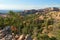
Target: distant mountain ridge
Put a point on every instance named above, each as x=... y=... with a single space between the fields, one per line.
x=6 y=11
x=32 y=10
x=45 y=10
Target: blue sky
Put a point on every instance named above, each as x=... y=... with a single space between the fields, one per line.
x=28 y=4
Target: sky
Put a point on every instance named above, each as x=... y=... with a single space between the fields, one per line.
x=27 y=4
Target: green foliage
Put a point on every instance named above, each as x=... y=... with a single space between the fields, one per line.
x=29 y=24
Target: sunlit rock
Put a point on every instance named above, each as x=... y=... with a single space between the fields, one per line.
x=22 y=37
x=51 y=35
x=28 y=37
x=41 y=17
x=16 y=37
x=45 y=31
x=34 y=38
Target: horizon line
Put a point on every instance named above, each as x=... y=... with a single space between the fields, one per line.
x=30 y=8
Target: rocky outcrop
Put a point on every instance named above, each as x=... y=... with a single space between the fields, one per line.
x=5 y=34
x=25 y=37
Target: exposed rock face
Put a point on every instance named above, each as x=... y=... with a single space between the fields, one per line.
x=16 y=36
x=45 y=10
x=52 y=9
x=3 y=15
x=45 y=31
x=28 y=37
x=34 y=38
x=51 y=35
x=5 y=34
x=41 y=17
x=22 y=37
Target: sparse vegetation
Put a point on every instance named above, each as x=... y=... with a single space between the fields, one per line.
x=39 y=26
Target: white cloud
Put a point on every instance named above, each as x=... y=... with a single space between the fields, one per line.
x=21 y=7
x=13 y=7
x=3 y=6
